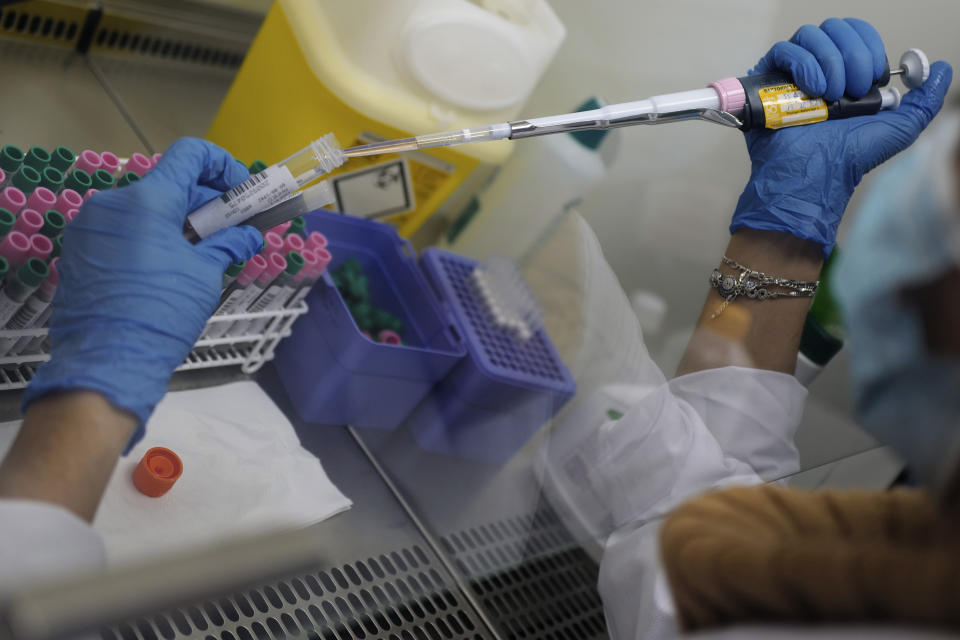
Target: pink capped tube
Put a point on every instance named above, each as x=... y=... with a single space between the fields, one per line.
x=309 y=270
x=68 y=199
x=3 y=176
x=156 y=158
x=292 y=242
x=12 y=199
x=89 y=194
x=274 y=242
x=251 y=271
x=276 y=263
x=89 y=161
x=323 y=259
x=139 y=164
x=40 y=246
x=14 y=248
x=389 y=337
x=28 y=222
x=42 y=199
x=71 y=214
x=281 y=229
x=316 y=240
x=110 y=162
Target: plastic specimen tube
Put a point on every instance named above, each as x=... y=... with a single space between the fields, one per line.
x=156 y=158
x=33 y=308
x=292 y=242
x=237 y=295
x=276 y=264
x=19 y=285
x=273 y=242
x=3 y=178
x=68 y=199
x=78 y=180
x=53 y=223
x=316 y=240
x=28 y=222
x=11 y=157
x=71 y=214
x=280 y=229
x=14 y=248
x=138 y=164
x=111 y=163
x=278 y=294
x=266 y=189
x=293 y=208
x=61 y=158
x=13 y=200
x=57 y=246
x=7 y=220
x=26 y=179
x=37 y=157
x=41 y=247
x=102 y=180
x=231 y=274
x=41 y=199
x=127 y=178
x=297 y=225
x=316 y=263
x=88 y=161
x=52 y=178
x=89 y=194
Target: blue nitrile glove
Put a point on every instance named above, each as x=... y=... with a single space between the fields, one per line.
x=134 y=295
x=802 y=177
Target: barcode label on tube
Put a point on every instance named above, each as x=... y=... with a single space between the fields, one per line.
x=260 y=192
x=254 y=180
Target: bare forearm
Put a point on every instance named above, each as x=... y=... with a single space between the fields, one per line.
x=764 y=334
x=66 y=451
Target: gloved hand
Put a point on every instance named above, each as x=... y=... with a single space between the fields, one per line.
x=134 y=295
x=802 y=177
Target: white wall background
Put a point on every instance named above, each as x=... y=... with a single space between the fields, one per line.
x=662 y=214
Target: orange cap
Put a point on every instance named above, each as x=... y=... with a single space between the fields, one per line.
x=157 y=471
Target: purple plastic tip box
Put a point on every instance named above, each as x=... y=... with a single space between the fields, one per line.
x=335 y=375
x=468 y=388
x=490 y=404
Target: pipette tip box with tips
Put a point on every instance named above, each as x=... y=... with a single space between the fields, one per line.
x=468 y=386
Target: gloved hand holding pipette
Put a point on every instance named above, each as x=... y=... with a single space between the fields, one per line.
x=803 y=178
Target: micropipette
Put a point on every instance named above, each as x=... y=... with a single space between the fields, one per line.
x=769 y=100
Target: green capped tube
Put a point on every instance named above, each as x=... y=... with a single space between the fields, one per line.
x=62 y=157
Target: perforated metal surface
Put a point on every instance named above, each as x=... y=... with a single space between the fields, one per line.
x=533 y=361
x=403 y=594
x=531 y=578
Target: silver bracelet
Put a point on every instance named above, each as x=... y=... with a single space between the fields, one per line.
x=756 y=285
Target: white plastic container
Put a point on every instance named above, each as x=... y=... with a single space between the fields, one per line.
x=543 y=179
x=367 y=70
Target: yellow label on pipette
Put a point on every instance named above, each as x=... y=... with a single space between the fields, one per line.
x=784 y=105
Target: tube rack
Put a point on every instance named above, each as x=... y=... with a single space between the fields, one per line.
x=249 y=351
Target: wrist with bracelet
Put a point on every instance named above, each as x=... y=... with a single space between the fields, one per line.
x=756 y=285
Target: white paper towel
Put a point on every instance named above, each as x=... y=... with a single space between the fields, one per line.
x=244 y=472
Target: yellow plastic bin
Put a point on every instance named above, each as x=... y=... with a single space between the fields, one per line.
x=367 y=70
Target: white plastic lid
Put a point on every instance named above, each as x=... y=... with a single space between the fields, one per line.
x=473 y=64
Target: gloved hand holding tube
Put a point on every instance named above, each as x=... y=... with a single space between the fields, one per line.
x=134 y=294
x=802 y=178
